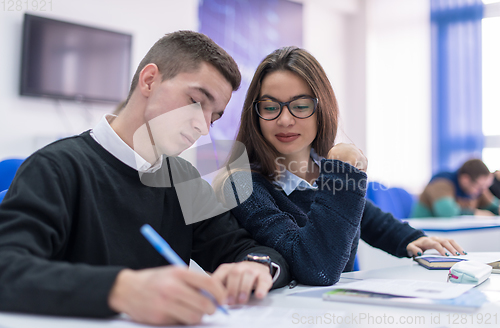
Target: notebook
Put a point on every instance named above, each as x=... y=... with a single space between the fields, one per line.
x=439 y=262
x=436 y=262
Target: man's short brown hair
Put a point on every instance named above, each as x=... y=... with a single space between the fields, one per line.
x=184 y=51
x=474 y=168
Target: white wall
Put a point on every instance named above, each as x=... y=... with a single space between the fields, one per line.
x=398 y=93
x=377 y=56
x=334 y=34
x=28 y=123
x=375 y=53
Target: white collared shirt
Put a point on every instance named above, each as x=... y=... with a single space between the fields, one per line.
x=104 y=135
x=290 y=182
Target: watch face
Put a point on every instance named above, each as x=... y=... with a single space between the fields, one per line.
x=261 y=258
x=257 y=257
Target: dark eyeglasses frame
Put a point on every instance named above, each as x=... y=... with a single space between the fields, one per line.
x=287 y=103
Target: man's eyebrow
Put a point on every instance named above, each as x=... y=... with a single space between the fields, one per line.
x=205 y=92
x=210 y=97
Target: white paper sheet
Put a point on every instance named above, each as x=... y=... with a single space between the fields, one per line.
x=410 y=288
x=265 y=317
x=247 y=316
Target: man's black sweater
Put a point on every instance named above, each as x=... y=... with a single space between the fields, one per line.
x=70 y=222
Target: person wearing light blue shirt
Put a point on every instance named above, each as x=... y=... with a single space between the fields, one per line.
x=307 y=195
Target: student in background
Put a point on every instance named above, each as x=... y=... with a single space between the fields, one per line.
x=70 y=241
x=495 y=186
x=463 y=192
x=307 y=196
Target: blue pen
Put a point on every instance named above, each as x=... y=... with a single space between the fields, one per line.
x=171 y=256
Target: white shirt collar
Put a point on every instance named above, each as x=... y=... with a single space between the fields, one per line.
x=104 y=135
x=290 y=182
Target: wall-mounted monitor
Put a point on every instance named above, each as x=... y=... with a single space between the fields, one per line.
x=64 y=60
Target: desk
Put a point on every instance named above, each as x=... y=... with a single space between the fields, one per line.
x=474 y=234
x=282 y=298
x=409 y=270
x=455 y=224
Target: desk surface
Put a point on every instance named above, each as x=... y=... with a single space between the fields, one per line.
x=282 y=298
x=459 y=223
x=474 y=234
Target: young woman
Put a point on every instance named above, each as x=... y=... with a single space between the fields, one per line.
x=308 y=197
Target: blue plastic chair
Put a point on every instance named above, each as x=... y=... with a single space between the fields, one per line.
x=396 y=201
x=371 y=190
x=402 y=202
x=356 y=264
x=8 y=169
x=380 y=196
x=2 y=195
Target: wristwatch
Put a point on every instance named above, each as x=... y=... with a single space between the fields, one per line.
x=261 y=258
x=274 y=269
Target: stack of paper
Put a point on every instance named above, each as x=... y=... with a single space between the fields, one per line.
x=409 y=293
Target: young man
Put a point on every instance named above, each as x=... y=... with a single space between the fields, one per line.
x=495 y=186
x=463 y=192
x=69 y=224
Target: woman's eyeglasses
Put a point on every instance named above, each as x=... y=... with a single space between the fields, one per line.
x=302 y=107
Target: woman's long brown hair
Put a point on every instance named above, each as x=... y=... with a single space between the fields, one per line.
x=261 y=154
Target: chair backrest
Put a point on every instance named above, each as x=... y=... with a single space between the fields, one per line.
x=403 y=200
x=379 y=195
x=397 y=201
x=8 y=169
x=356 y=264
x=2 y=195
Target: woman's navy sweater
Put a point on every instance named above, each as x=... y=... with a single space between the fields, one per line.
x=317 y=231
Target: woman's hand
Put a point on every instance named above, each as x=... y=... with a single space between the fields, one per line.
x=417 y=247
x=349 y=153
